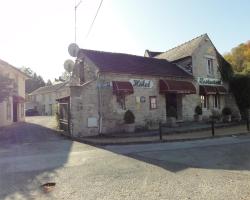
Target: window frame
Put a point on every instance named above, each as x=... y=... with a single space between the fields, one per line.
x=153 y=105
x=204 y=101
x=210 y=66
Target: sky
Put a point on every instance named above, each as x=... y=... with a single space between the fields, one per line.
x=36 y=33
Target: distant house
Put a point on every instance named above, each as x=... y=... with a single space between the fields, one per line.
x=44 y=98
x=12 y=108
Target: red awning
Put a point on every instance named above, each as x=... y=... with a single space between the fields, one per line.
x=180 y=87
x=221 y=89
x=18 y=99
x=208 y=90
x=122 y=87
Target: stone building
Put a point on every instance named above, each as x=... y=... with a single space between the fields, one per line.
x=12 y=108
x=44 y=98
x=199 y=58
x=104 y=85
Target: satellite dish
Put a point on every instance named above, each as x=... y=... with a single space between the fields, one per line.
x=69 y=65
x=73 y=49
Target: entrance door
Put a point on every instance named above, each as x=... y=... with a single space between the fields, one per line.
x=171 y=101
x=15 y=111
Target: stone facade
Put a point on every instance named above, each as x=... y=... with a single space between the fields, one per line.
x=95 y=108
x=11 y=109
x=95 y=99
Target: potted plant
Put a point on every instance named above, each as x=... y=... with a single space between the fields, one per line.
x=227 y=113
x=172 y=114
x=198 y=113
x=129 y=120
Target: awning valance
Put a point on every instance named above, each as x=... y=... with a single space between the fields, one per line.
x=18 y=99
x=122 y=87
x=174 y=86
x=221 y=89
x=208 y=90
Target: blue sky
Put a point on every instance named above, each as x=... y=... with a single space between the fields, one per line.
x=37 y=33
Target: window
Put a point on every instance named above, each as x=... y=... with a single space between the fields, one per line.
x=8 y=117
x=152 y=102
x=210 y=68
x=204 y=101
x=216 y=101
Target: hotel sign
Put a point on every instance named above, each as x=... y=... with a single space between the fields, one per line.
x=209 y=81
x=141 y=83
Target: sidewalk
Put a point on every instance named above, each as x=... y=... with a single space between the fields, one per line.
x=153 y=136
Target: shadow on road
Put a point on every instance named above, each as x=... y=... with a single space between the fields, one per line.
x=30 y=156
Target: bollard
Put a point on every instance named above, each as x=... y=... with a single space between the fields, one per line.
x=212 y=123
x=160 y=133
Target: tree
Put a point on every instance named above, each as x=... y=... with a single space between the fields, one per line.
x=6 y=87
x=239 y=58
x=64 y=77
x=34 y=82
x=49 y=83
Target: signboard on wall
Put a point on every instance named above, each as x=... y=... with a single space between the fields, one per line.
x=141 y=83
x=209 y=81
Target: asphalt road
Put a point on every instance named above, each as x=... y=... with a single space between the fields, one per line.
x=32 y=154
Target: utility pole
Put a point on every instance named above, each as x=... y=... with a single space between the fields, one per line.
x=76 y=6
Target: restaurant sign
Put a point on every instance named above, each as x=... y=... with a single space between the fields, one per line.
x=209 y=81
x=141 y=83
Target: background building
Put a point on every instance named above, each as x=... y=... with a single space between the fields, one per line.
x=12 y=108
x=44 y=98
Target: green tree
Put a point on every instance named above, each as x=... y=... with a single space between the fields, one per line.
x=34 y=82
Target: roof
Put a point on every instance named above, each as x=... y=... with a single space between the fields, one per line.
x=132 y=64
x=184 y=50
x=151 y=54
x=5 y=64
x=48 y=89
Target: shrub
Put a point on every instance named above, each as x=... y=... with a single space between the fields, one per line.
x=172 y=112
x=226 y=111
x=198 y=110
x=129 y=117
x=240 y=86
x=215 y=115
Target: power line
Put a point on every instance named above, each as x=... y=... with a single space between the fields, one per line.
x=91 y=26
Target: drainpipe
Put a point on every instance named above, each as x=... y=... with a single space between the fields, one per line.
x=99 y=103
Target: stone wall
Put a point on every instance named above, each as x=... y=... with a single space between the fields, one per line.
x=84 y=105
x=113 y=113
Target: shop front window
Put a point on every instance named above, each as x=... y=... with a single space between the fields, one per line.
x=8 y=111
x=152 y=102
x=216 y=101
x=204 y=101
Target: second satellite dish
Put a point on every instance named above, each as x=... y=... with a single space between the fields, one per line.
x=69 y=65
x=73 y=49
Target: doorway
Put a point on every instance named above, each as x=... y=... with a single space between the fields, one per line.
x=15 y=111
x=171 y=101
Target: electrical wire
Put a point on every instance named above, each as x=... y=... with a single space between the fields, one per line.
x=91 y=26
